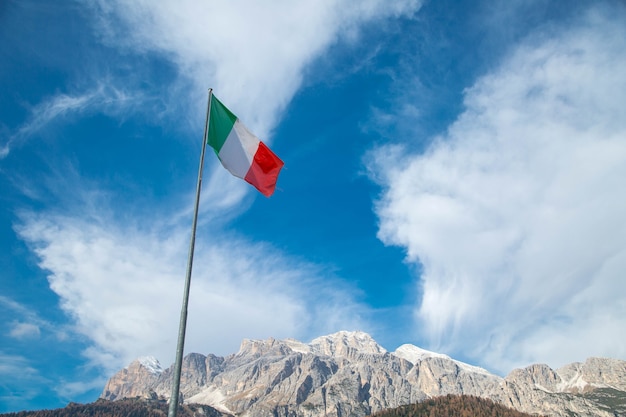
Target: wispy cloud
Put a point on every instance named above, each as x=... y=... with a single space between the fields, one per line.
x=24 y=330
x=12 y=365
x=69 y=389
x=28 y=323
x=63 y=107
x=252 y=53
x=23 y=374
x=123 y=286
x=516 y=212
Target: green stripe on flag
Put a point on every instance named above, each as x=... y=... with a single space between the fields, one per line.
x=220 y=124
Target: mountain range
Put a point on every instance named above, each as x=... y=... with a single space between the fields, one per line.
x=350 y=374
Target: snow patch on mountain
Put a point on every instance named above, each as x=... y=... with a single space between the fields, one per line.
x=416 y=354
x=151 y=363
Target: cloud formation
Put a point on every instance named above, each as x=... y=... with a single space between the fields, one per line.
x=20 y=370
x=28 y=323
x=122 y=285
x=24 y=330
x=58 y=108
x=252 y=53
x=516 y=212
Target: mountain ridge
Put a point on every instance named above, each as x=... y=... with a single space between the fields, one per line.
x=350 y=374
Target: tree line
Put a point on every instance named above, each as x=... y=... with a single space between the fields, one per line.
x=121 y=408
x=446 y=406
x=453 y=406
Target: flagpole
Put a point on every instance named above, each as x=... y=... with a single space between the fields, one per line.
x=173 y=407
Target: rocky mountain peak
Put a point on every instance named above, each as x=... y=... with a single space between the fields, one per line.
x=150 y=363
x=345 y=344
x=257 y=348
x=593 y=373
x=132 y=380
x=539 y=376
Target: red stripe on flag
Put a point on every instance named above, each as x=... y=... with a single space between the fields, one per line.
x=263 y=172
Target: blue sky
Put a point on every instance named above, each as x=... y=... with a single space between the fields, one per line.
x=453 y=179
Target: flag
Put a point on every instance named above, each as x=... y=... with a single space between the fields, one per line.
x=240 y=151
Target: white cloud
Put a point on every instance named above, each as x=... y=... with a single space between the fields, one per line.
x=24 y=380
x=28 y=324
x=123 y=287
x=57 y=108
x=252 y=53
x=516 y=213
x=24 y=330
x=14 y=365
x=69 y=389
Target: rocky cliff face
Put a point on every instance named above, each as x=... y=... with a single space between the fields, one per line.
x=134 y=380
x=349 y=374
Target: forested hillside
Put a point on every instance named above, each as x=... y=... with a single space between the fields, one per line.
x=453 y=406
x=122 y=408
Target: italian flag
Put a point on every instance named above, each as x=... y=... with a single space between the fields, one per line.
x=240 y=152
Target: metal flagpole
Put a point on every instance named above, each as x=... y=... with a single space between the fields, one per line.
x=173 y=408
